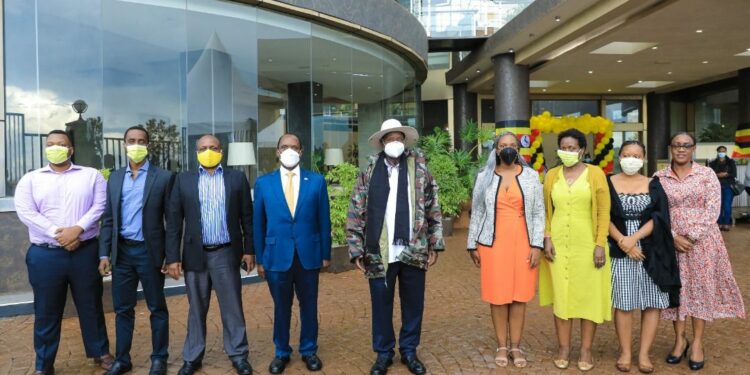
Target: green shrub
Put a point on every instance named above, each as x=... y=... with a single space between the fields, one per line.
x=453 y=171
x=452 y=192
x=341 y=180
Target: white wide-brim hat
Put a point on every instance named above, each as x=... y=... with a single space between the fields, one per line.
x=393 y=125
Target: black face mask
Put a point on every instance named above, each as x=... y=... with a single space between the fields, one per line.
x=508 y=155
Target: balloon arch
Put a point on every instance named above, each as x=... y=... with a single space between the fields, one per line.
x=601 y=127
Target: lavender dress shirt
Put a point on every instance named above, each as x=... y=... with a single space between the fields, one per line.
x=47 y=200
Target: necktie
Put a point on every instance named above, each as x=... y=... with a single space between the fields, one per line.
x=289 y=191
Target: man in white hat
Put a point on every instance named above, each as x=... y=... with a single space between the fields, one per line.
x=394 y=233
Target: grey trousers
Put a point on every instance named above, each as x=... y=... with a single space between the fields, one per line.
x=223 y=273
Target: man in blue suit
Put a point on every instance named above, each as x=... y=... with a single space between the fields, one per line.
x=292 y=234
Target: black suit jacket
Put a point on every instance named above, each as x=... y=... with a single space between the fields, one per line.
x=184 y=207
x=155 y=198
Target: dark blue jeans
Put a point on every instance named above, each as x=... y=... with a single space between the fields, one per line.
x=51 y=272
x=411 y=283
x=283 y=286
x=134 y=264
x=727 y=197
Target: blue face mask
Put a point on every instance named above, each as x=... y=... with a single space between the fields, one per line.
x=722 y=155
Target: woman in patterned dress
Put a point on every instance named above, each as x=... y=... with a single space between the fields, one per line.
x=709 y=290
x=645 y=275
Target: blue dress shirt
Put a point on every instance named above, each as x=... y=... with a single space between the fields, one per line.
x=131 y=203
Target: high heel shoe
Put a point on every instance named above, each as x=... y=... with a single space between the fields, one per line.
x=672 y=360
x=694 y=365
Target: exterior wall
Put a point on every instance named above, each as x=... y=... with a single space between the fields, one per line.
x=383 y=16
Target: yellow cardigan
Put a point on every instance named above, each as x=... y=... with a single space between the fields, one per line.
x=600 y=202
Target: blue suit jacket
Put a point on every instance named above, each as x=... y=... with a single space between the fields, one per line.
x=276 y=234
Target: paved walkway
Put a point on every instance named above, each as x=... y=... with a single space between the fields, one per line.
x=457 y=336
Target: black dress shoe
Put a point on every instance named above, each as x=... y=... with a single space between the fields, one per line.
x=414 y=364
x=242 y=366
x=672 y=360
x=313 y=362
x=189 y=368
x=119 y=368
x=278 y=365
x=380 y=367
x=158 y=367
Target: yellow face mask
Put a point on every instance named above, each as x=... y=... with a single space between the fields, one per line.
x=209 y=158
x=56 y=154
x=137 y=153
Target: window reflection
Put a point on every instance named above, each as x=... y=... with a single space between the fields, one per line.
x=624 y=111
x=189 y=67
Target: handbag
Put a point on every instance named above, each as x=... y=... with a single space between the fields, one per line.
x=737 y=187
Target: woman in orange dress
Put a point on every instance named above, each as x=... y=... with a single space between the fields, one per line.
x=506 y=236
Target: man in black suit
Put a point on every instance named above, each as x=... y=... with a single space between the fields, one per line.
x=215 y=206
x=132 y=242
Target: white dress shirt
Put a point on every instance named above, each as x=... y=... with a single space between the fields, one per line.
x=390 y=213
x=295 y=181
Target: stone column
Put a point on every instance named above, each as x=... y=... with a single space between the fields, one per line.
x=512 y=107
x=464 y=109
x=658 y=126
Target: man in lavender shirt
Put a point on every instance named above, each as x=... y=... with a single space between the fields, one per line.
x=61 y=204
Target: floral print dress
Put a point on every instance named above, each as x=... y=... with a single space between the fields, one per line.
x=709 y=289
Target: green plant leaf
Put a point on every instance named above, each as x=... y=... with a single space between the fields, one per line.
x=341 y=180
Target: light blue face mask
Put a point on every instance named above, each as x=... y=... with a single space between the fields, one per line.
x=722 y=155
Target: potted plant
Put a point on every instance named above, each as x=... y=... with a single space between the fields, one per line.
x=341 y=180
x=450 y=170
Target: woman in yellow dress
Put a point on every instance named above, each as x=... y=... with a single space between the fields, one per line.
x=576 y=276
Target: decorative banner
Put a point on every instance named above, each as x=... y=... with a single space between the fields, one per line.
x=742 y=141
x=522 y=131
x=601 y=127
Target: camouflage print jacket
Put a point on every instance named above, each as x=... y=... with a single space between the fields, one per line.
x=427 y=227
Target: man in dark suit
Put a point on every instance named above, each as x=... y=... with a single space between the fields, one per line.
x=132 y=242
x=292 y=233
x=215 y=206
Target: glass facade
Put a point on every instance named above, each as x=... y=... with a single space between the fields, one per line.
x=717 y=116
x=184 y=68
x=624 y=111
x=464 y=18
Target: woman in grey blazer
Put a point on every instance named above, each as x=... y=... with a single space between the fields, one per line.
x=506 y=237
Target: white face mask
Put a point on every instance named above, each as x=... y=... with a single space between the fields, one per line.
x=394 y=149
x=289 y=158
x=630 y=165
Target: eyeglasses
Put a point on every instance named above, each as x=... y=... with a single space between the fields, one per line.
x=684 y=146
